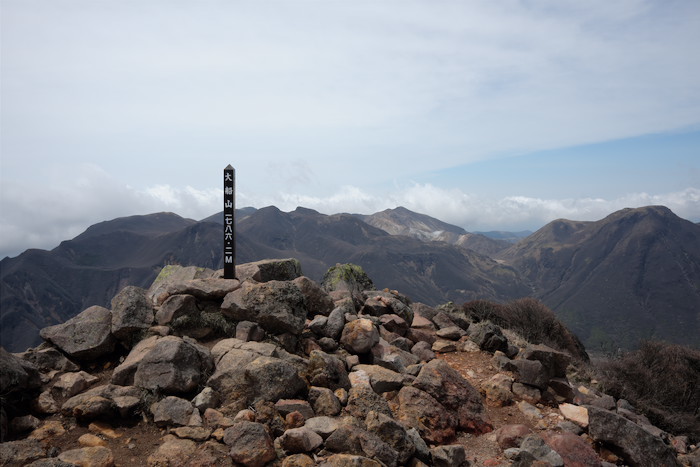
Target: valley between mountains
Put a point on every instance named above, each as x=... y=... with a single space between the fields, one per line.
x=631 y=276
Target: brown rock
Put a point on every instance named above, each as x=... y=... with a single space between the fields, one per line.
x=299 y=440
x=298 y=460
x=349 y=460
x=250 y=444
x=497 y=390
x=418 y=409
x=173 y=452
x=89 y=440
x=359 y=336
x=98 y=456
x=446 y=385
x=510 y=436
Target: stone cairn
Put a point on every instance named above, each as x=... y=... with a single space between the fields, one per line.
x=274 y=369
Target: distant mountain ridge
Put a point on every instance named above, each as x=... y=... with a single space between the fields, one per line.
x=630 y=276
x=40 y=288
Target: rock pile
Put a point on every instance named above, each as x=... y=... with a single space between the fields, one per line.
x=274 y=369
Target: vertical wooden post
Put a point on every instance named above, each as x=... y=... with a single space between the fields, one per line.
x=229 y=222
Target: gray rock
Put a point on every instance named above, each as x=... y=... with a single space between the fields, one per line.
x=21 y=452
x=392 y=433
x=279 y=307
x=132 y=314
x=24 y=424
x=355 y=440
x=172 y=411
x=554 y=361
x=530 y=372
x=174 y=307
x=443 y=320
x=86 y=336
x=206 y=399
x=327 y=371
x=299 y=440
x=249 y=331
x=70 y=384
x=424 y=351
x=48 y=358
x=318 y=302
x=381 y=379
x=273 y=379
x=229 y=377
x=488 y=337
x=422 y=451
x=16 y=375
x=451 y=455
x=324 y=426
x=104 y=401
x=174 y=365
x=170 y=276
x=638 y=446
x=394 y=323
x=123 y=374
x=536 y=446
x=452 y=333
x=362 y=400
x=250 y=444
x=267 y=270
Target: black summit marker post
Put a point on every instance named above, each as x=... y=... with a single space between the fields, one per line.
x=229 y=225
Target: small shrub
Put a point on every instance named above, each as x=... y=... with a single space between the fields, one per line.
x=533 y=320
x=660 y=379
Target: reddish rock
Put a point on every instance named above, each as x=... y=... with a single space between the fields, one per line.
x=418 y=409
x=575 y=451
x=510 y=436
x=446 y=385
x=359 y=336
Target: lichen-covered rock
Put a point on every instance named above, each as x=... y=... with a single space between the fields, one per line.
x=86 y=336
x=279 y=307
x=346 y=277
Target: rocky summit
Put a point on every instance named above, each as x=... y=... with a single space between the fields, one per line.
x=274 y=369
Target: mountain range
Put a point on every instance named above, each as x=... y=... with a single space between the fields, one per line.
x=633 y=275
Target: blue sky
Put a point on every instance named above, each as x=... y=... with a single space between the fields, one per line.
x=489 y=115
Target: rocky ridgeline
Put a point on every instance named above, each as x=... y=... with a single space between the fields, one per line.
x=273 y=369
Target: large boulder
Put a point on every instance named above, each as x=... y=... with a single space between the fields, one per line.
x=171 y=276
x=86 y=336
x=267 y=270
x=554 y=361
x=318 y=302
x=174 y=365
x=273 y=379
x=16 y=375
x=393 y=433
x=488 y=337
x=279 y=307
x=132 y=314
x=106 y=401
x=418 y=409
x=348 y=277
x=446 y=385
x=638 y=446
x=46 y=358
x=380 y=303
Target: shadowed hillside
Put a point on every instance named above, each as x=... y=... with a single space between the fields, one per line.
x=631 y=276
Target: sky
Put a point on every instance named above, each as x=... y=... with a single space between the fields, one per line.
x=489 y=115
